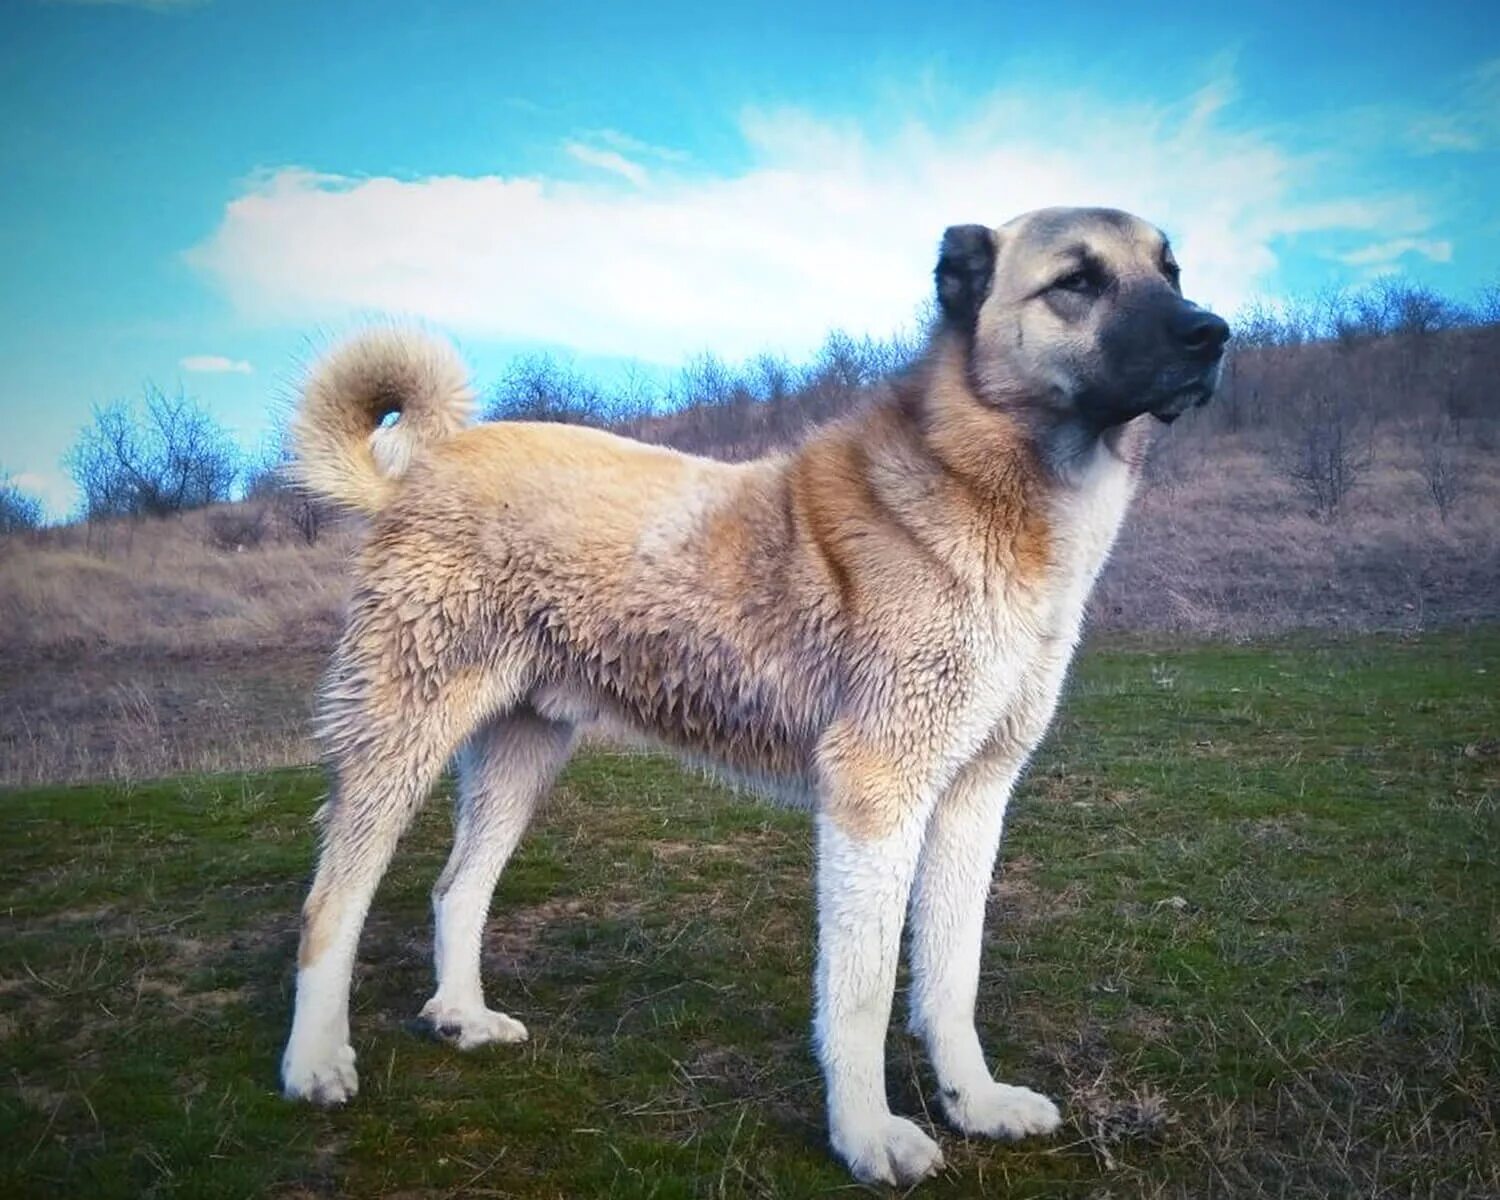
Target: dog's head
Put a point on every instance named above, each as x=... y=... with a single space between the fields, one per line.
x=1078 y=311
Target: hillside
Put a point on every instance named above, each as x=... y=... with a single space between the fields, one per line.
x=191 y=641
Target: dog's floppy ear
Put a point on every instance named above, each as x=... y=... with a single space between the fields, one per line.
x=965 y=270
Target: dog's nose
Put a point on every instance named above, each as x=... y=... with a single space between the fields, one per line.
x=1202 y=333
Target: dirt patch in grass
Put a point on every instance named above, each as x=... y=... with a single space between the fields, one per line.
x=514 y=936
x=1017 y=897
x=190 y=1002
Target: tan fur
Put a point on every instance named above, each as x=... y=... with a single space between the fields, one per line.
x=315 y=932
x=877 y=623
x=340 y=449
x=726 y=610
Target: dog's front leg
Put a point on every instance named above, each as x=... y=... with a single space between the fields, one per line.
x=948 y=902
x=869 y=836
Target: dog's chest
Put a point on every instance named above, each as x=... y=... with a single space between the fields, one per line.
x=1029 y=642
x=1086 y=519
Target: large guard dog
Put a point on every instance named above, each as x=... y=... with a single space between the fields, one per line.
x=879 y=622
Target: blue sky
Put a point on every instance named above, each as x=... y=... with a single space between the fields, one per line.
x=198 y=193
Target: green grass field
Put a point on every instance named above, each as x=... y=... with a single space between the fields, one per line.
x=1246 y=933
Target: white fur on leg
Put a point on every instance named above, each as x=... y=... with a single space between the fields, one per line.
x=318 y=1064
x=948 y=903
x=502 y=774
x=863 y=886
x=998 y=1110
x=470 y=1027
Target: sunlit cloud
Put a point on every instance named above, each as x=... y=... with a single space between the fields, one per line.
x=1384 y=254
x=215 y=364
x=54 y=489
x=607 y=160
x=832 y=225
x=626 y=144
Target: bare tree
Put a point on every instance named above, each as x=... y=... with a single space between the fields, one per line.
x=20 y=511
x=292 y=511
x=706 y=380
x=633 y=395
x=1328 y=453
x=539 y=388
x=1440 y=468
x=1257 y=324
x=1486 y=308
x=842 y=362
x=170 y=458
x=1418 y=310
x=772 y=378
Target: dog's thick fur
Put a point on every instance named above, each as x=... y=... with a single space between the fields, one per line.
x=878 y=622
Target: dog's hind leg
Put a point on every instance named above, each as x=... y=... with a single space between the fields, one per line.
x=504 y=770
x=383 y=765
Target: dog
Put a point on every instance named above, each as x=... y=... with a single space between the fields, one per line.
x=877 y=623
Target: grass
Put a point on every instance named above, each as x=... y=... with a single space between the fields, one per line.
x=1246 y=931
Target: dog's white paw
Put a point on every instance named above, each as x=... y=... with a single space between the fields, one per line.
x=469 y=1028
x=888 y=1149
x=1001 y=1111
x=326 y=1079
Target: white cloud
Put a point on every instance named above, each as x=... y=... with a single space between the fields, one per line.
x=54 y=489
x=831 y=225
x=630 y=145
x=215 y=364
x=607 y=160
x=1383 y=254
x=1440 y=134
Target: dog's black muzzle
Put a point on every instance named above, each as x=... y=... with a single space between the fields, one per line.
x=1198 y=337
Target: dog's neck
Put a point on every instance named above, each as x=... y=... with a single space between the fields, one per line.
x=1075 y=451
x=988 y=439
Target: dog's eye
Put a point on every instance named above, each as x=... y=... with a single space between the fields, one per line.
x=1083 y=281
x=1172 y=271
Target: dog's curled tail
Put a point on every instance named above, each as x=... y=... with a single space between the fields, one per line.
x=342 y=448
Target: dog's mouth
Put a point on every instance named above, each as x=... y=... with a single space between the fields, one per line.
x=1182 y=390
x=1195 y=395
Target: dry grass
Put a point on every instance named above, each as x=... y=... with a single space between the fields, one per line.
x=166 y=586
x=1219 y=543
x=148 y=649
x=154 y=716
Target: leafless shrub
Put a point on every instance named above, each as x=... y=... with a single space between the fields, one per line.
x=20 y=511
x=292 y=513
x=1238 y=404
x=708 y=380
x=738 y=411
x=772 y=379
x=1486 y=307
x=1439 y=467
x=1257 y=325
x=239 y=527
x=538 y=387
x=171 y=458
x=1328 y=453
x=1417 y=310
